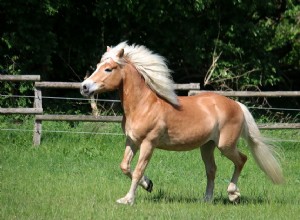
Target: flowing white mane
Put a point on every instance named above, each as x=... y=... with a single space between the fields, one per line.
x=151 y=66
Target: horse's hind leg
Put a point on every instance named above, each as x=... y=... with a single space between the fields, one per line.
x=238 y=159
x=207 y=154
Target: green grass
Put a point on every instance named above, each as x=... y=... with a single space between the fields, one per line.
x=77 y=176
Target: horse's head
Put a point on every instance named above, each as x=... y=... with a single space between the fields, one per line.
x=106 y=77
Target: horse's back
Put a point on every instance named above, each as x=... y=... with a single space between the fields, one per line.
x=210 y=103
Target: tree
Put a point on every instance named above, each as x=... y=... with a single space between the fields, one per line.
x=256 y=42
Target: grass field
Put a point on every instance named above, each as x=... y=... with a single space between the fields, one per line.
x=77 y=176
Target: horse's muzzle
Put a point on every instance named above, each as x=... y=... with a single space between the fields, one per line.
x=84 y=90
x=87 y=88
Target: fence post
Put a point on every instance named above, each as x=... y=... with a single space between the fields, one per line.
x=37 y=123
x=37 y=132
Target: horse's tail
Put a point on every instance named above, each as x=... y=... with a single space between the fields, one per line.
x=262 y=151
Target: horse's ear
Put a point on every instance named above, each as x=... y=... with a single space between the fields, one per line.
x=121 y=53
x=108 y=49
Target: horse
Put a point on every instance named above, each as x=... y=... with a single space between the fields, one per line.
x=155 y=117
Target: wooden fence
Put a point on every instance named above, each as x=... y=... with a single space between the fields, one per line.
x=193 y=88
x=37 y=107
x=37 y=110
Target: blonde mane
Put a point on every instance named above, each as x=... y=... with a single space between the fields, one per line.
x=151 y=66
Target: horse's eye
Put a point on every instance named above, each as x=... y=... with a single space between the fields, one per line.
x=108 y=70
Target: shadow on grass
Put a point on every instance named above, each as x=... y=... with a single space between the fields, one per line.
x=162 y=196
x=244 y=200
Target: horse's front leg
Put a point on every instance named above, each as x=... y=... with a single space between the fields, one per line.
x=137 y=176
x=130 y=151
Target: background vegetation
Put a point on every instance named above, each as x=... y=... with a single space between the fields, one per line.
x=257 y=42
x=224 y=45
x=77 y=176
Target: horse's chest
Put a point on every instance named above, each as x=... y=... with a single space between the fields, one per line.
x=134 y=131
x=140 y=130
x=132 y=134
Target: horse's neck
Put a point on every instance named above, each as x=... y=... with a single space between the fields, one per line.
x=134 y=92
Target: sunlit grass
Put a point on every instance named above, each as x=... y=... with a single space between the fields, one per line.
x=77 y=176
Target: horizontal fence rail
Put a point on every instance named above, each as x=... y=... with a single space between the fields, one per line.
x=88 y=118
x=58 y=85
x=15 y=78
x=250 y=93
x=30 y=111
x=270 y=126
x=76 y=85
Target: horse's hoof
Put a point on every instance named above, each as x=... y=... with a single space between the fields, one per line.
x=234 y=196
x=150 y=186
x=125 y=201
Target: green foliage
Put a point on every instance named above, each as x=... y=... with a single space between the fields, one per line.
x=258 y=41
x=287 y=38
x=8 y=89
x=252 y=47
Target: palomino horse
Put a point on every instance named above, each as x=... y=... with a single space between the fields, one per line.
x=154 y=117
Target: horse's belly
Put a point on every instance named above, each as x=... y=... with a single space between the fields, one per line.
x=184 y=142
x=178 y=147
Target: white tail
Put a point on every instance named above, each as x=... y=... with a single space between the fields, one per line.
x=261 y=150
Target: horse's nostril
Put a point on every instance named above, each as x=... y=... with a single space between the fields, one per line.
x=84 y=89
